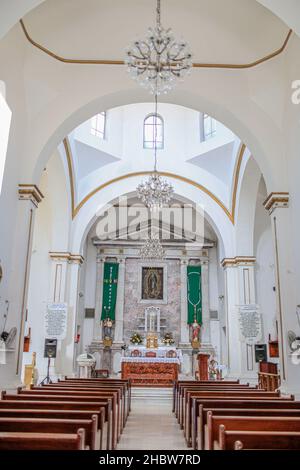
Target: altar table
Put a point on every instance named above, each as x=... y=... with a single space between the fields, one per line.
x=150 y=371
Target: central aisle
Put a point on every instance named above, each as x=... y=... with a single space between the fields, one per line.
x=151 y=424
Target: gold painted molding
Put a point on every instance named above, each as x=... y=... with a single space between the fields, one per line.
x=238 y=261
x=71 y=174
x=229 y=213
x=30 y=192
x=249 y=65
x=66 y=256
x=275 y=200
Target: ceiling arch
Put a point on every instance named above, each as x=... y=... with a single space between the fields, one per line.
x=13 y=10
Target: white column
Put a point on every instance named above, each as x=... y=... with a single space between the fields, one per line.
x=16 y=289
x=287 y=290
x=239 y=290
x=97 y=335
x=184 y=327
x=120 y=302
x=66 y=360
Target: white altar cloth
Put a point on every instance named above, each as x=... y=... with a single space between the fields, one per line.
x=170 y=360
x=161 y=351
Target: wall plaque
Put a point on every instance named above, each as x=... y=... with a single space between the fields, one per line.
x=56 y=321
x=250 y=324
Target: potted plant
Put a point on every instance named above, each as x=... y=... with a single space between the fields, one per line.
x=136 y=339
x=168 y=339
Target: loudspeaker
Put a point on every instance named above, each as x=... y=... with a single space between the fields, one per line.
x=261 y=353
x=50 y=348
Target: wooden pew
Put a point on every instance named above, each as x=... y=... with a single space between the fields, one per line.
x=179 y=388
x=253 y=440
x=50 y=405
x=95 y=391
x=45 y=441
x=125 y=382
x=190 y=394
x=123 y=386
x=247 y=423
x=188 y=417
x=198 y=428
x=183 y=389
x=179 y=383
x=54 y=426
x=72 y=415
x=241 y=412
x=87 y=398
x=94 y=394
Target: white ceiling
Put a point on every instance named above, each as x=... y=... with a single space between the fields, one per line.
x=217 y=31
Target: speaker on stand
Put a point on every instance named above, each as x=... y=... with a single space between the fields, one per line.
x=49 y=352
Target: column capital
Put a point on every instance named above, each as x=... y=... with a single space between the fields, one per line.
x=30 y=192
x=276 y=201
x=66 y=256
x=238 y=261
x=184 y=262
x=76 y=259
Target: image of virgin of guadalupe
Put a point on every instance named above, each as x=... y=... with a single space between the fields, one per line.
x=152 y=283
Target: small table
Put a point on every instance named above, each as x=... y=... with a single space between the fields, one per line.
x=151 y=372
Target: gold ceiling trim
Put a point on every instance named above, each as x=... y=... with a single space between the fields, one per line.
x=71 y=174
x=229 y=213
x=236 y=179
x=249 y=65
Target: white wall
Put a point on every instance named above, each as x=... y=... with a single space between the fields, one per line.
x=5 y=118
x=265 y=268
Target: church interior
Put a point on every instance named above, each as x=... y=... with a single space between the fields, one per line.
x=149 y=243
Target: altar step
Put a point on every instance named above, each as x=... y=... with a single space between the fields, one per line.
x=159 y=393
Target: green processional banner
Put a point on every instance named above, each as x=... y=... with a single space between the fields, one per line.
x=110 y=286
x=194 y=294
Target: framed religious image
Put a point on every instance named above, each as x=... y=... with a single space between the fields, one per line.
x=153 y=284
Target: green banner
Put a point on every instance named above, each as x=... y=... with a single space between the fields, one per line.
x=194 y=294
x=110 y=287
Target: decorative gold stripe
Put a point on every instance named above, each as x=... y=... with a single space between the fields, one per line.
x=162 y=173
x=270 y=56
x=236 y=178
x=71 y=174
x=230 y=214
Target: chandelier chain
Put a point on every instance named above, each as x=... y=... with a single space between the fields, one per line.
x=158 y=13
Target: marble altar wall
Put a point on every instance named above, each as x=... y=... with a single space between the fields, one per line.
x=134 y=310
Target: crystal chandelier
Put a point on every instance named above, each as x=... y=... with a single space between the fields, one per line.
x=152 y=249
x=155 y=191
x=158 y=61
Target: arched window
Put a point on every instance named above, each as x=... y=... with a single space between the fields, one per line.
x=98 y=124
x=153 y=126
x=208 y=127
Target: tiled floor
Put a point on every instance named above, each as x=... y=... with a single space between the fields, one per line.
x=152 y=426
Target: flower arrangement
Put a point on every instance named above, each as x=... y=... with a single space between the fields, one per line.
x=136 y=338
x=168 y=339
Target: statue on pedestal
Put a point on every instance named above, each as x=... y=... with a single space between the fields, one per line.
x=107 y=331
x=195 y=334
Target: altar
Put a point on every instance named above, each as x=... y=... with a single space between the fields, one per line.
x=161 y=351
x=150 y=371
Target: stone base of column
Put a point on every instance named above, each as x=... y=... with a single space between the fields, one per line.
x=108 y=358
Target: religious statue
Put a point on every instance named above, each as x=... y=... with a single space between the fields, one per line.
x=195 y=334
x=107 y=330
x=213 y=371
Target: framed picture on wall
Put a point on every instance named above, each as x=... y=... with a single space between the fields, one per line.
x=153 y=283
